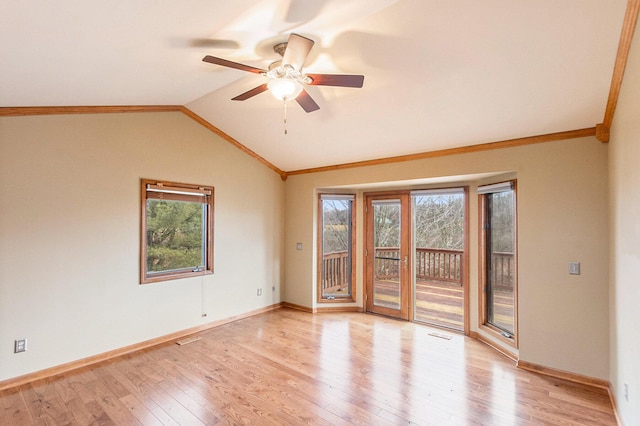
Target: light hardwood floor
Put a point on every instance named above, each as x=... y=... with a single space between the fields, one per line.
x=290 y=367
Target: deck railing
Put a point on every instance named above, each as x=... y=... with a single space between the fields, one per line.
x=439 y=265
x=386 y=261
x=503 y=270
x=335 y=267
x=430 y=265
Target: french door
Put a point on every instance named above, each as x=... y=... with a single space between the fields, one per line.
x=387 y=254
x=415 y=256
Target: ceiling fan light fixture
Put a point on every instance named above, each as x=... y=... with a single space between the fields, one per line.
x=285 y=79
x=284 y=89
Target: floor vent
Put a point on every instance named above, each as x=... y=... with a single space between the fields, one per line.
x=188 y=340
x=440 y=336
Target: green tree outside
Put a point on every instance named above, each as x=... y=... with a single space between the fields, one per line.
x=174 y=235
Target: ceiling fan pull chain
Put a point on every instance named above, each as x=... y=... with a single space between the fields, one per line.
x=285 y=116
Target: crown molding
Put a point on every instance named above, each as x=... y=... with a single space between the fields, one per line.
x=530 y=140
x=628 y=28
x=597 y=131
x=104 y=109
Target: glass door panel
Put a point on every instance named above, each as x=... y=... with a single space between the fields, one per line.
x=439 y=243
x=500 y=235
x=386 y=253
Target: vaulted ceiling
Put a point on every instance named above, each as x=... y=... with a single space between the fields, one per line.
x=438 y=74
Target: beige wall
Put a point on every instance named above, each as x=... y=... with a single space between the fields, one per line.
x=69 y=226
x=562 y=217
x=69 y=233
x=624 y=172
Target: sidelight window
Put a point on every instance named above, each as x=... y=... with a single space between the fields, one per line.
x=336 y=247
x=498 y=259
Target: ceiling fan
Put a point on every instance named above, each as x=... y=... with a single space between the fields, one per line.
x=286 y=79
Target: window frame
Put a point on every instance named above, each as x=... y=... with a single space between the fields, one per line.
x=483 y=323
x=204 y=198
x=320 y=249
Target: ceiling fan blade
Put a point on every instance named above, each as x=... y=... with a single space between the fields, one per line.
x=342 y=80
x=214 y=43
x=250 y=93
x=298 y=48
x=306 y=102
x=230 y=64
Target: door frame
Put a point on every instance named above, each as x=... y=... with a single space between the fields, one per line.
x=406 y=281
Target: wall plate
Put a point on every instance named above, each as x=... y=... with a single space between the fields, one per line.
x=20 y=345
x=574 y=268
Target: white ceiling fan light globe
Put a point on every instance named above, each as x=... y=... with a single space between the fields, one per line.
x=284 y=89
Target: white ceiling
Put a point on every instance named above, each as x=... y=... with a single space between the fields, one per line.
x=438 y=74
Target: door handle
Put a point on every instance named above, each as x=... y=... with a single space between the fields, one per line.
x=406 y=262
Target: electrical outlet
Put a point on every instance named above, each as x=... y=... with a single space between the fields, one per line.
x=259 y=292
x=626 y=392
x=20 y=345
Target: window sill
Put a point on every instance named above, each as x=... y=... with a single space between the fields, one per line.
x=338 y=300
x=170 y=277
x=510 y=344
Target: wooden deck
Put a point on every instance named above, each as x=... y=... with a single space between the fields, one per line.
x=437 y=303
x=290 y=367
x=441 y=303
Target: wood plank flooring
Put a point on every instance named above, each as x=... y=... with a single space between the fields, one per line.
x=290 y=367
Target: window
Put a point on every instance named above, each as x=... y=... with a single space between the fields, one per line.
x=336 y=247
x=498 y=260
x=177 y=231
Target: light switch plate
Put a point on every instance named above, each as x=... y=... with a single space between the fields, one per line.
x=574 y=268
x=20 y=345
